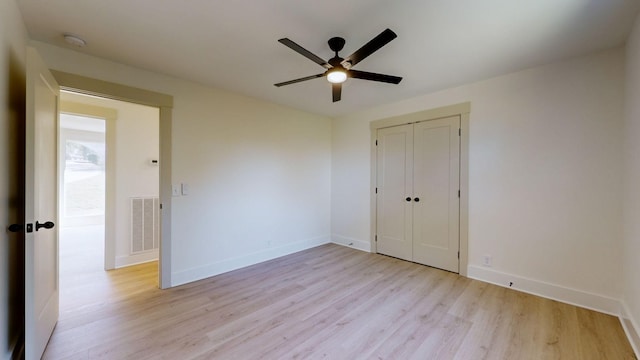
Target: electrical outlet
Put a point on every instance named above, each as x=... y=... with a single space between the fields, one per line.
x=486 y=260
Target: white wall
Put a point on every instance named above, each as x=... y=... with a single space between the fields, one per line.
x=13 y=39
x=544 y=176
x=631 y=229
x=259 y=176
x=259 y=173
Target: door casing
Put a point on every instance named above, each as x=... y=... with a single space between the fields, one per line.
x=89 y=86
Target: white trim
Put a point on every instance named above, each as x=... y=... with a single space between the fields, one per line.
x=351 y=242
x=135 y=259
x=631 y=328
x=556 y=292
x=219 y=267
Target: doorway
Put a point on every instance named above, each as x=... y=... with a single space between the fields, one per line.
x=162 y=102
x=81 y=194
x=109 y=161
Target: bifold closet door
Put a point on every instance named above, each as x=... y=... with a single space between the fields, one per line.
x=436 y=206
x=395 y=185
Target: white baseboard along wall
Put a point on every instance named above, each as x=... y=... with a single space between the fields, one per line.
x=219 y=267
x=603 y=304
x=630 y=327
x=135 y=259
x=351 y=242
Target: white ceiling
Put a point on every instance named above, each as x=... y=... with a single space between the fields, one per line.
x=233 y=44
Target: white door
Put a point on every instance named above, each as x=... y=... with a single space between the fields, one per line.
x=417 y=214
x=41 y=248
x=435 y=190
x=394 y=191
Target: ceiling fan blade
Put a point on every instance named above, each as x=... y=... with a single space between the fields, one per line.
x=336 y=90
x=304 y=52
x=364 y=75
x=369 y=48
x=299 y=80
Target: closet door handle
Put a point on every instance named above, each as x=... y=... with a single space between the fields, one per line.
x=416 y=199
x=408 y=199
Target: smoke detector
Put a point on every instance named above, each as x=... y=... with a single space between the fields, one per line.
x=74 y=40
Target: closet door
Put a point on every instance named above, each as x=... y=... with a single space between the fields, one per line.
x=435 y=193
x=394 y=187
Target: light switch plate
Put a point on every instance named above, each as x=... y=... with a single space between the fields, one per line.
x=185 y=189
x=175 y=190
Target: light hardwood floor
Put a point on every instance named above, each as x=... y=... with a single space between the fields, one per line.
x=329 y=302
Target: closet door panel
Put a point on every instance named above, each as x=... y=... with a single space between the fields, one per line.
x=395 y=184
x=436 y=185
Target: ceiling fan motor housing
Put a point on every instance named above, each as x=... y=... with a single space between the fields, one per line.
x=336 y=44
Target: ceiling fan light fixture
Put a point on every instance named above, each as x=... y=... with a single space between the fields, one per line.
x=336 y=76
x=340 y=69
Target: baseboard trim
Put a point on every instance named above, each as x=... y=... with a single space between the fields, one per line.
x=219 y=267
x=563 y=294
x=136 y=259
x=630 y=327
x=351 y=242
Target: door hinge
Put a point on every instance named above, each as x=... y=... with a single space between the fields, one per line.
x=376 y=142
x=458 y=193
x=460 y=132
x=376 y=190
x=458 y=254
x=160 y=206
x=376 y=238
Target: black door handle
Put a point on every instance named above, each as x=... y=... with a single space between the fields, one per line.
x=416 y=199
x=14 y=227
x=46 y=225
x=408 y=199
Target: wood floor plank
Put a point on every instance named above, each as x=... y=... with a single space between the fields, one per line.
x=329 y=302
x=341 y=327
x=423 y=320
x=313 y=313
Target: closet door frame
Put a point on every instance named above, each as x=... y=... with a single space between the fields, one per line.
x=463 y=110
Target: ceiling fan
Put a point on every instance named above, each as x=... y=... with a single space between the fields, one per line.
x=339 y=69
